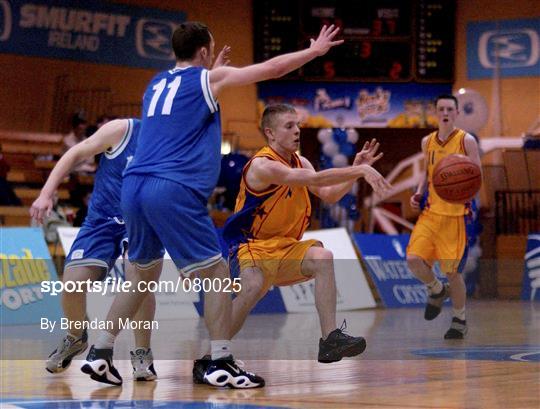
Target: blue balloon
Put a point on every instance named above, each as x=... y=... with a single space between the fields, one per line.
x=340 y=135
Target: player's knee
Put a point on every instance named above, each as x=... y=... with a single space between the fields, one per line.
x=318 y=260
x=414 y=262
x=252 y=284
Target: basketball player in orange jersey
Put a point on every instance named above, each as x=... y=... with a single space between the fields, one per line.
x=439 y=234
x=272 y=212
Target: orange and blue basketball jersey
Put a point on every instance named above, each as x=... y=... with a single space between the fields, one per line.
x=278 y=211
x=440 y=232
x=266 y=228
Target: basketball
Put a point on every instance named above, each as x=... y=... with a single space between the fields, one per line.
x=457 y=179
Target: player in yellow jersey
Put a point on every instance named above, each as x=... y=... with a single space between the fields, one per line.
x=272 y=212
x=439 y=234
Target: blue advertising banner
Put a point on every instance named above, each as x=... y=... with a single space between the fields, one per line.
x=531 y=277
x=512 y=44
x=385 y=258
x=89 y=30
x=333 y=104
x=25 y=262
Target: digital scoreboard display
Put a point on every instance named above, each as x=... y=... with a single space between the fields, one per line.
x=385 y=40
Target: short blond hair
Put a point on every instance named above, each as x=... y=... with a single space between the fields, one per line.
x=270 y=113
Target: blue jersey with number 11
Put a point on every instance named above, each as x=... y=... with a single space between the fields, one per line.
x=180 y=136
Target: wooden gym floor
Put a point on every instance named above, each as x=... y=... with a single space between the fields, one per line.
x=407 y=364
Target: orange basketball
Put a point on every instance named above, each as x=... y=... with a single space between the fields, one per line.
x=457 y=179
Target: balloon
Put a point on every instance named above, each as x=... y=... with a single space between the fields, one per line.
x=330 y=148
x=340 y=160
x=324 y=135
x=473 y=109
x=352 y=136
x=347 y=149
x=340 y=136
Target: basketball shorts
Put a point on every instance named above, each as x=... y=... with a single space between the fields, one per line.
x=99 y=243
x=159 y=214
x=440 y=238
x=279 y=259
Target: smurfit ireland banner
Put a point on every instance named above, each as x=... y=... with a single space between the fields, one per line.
x=24 y=263
x=385 y=258
x=89 y=30
x=531 y=277
x=352 y=104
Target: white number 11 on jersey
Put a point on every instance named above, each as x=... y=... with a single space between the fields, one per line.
x=158 y=90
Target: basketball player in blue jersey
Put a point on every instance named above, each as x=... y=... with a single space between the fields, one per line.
x=101 y=239
x=166 y=188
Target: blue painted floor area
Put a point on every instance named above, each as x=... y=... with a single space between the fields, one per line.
x=515 y=353
x=121 y=404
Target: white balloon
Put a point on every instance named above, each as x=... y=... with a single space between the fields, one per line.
x=340 y=160
x=324 y=135
x=352 y=136
x=330 y=148
x=473 y=109
x=354 y=189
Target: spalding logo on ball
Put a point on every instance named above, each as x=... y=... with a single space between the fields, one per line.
x=457 y=179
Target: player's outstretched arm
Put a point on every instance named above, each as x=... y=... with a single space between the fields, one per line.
x=270 y=172
x=276 y=67
x=332 y=194
x=108 y=135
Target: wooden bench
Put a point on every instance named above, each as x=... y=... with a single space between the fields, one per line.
x=33 y=149
x=28 y=195
x=6 y=135
x=14 y=216
x=26 y=176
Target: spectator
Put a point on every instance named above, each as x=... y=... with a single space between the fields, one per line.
x=78 y=134
x=7 y=195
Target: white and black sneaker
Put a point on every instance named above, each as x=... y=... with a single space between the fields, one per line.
x=60 y=359
x=100 y=367
x=228 y=372
x=143 y=364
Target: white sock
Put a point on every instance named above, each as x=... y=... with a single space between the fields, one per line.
x=435 y=287
x=460 y=313
x=105 y=340
x=220 y=348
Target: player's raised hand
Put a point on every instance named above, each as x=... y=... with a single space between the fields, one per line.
x=41 y=208
x=222 y=59
x=325 y=40
x=368 y=154
x=377 y=181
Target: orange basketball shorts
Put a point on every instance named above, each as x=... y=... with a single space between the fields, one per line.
x=440 y=238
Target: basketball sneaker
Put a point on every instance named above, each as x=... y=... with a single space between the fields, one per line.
x=100 y=367
x=457 y=330
x=60 y=359
x=142 y=361
x=228 y=372
x=435 y=302
x=199 y=368
x=339 y=345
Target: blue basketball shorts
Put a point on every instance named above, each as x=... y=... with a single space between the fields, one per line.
x=100 y=242
x=162 y=214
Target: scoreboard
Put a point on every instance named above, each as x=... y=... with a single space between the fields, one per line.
x=385 y=40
